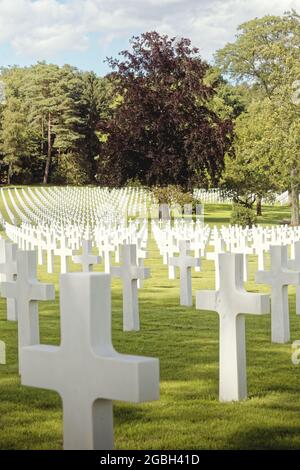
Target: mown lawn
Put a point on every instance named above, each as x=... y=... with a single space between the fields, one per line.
x=188 y=414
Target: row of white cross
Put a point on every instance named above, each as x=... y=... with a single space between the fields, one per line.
x=217 y=196
x=107 y=238
x=86 y=370
x=74 y=205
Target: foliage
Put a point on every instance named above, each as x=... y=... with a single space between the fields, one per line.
x=173 y=194
x=51 y=111
x=266 y=53
x=242 y=215
x=250 y=168
x=163 y=130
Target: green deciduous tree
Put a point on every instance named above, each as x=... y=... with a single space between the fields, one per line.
x=266 y=54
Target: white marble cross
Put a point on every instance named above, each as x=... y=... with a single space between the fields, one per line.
x=279 y=278
x=64 y=252
x=185 y=262
x=294 y=265
x=231 y=302
x=49 y=245
x=219 y=247
x=141 y=255
x=87 y=259
x=85 y=369
x=129 y=273
x=26 y=290
x=8 y=267
x=106 y=249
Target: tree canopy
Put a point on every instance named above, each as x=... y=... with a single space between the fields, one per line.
x=163 y=130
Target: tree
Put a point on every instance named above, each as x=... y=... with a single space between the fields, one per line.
x=41 y=91
x=15 y=134
x=162 y=130
x=266 y=54
x=251 y=171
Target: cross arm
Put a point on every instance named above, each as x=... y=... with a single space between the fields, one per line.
x=128 y=378
x=95 y=259
x=262 y=277
x=8 y=268
x=174 y=261
x=77 y=259
x=249 y=302
x=207 y=300
x=293 y=277
x=40 y=291
x=195 y=262
x=141 y=273
x=8 y=290
x=40 y=366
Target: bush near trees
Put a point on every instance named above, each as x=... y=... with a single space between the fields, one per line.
x=242 y=215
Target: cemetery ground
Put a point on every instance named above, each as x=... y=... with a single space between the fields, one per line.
x=186 y=341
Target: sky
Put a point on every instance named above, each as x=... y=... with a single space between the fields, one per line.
x=84 y=32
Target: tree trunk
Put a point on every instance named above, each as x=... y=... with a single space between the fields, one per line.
x=49 y=152
x=258 y=205
x=295 y=219
x=42 y=141
x=9 y=172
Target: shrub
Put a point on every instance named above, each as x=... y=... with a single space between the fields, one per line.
x=173 y=194
x=243 y=215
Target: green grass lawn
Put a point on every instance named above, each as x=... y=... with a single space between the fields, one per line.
x=188 y=414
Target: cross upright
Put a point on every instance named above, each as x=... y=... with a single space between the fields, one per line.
x=279 y=278
x=129 y=272
x=50 y=247
x=106 y=249
x=26 y=290
x=294 y=265
x=64 y=252
x=141 y=255
x=231 y=302
x=185 y=262
x=87 y=259
x=8 y=267
x=85 y=369
x=219 y=247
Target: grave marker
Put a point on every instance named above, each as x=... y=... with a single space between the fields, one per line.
x=232 y=302
x=279 y=278
x=185 y=262
x=85 y=369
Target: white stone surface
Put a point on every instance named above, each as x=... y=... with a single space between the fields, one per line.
x=129 y=272
x=232 y=302
x=279 y=278
x=185 y=262
x=87 y=259
x=26 y=290
x=294 y=265
x=85 y=369
x=8 y=269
